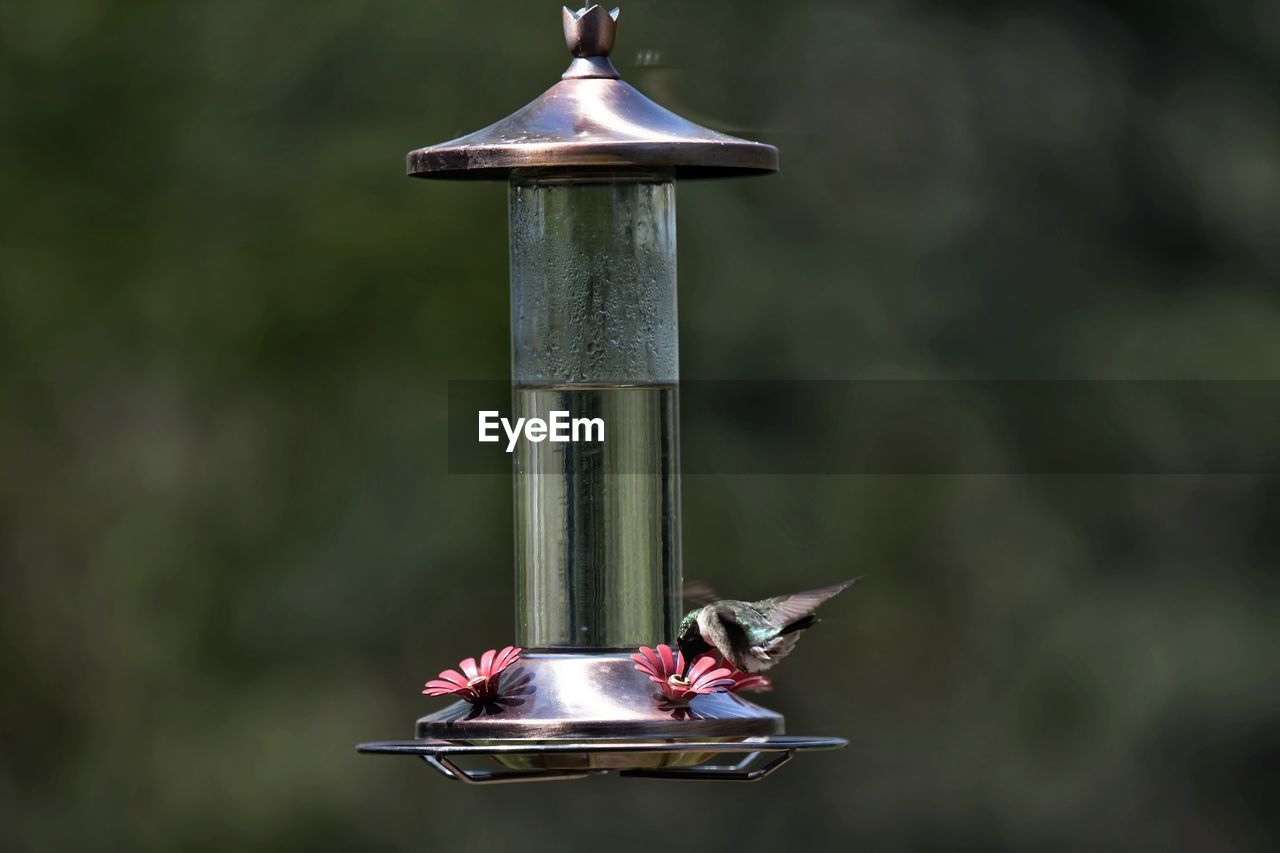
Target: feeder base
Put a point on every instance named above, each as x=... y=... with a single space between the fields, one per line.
x=561 y=716
x=559 y=697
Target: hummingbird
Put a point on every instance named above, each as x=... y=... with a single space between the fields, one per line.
x=753 y=635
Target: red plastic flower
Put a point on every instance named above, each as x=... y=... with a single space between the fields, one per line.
x=666 y=669
x=749 y=682
x=477 y=684
x=743 y=681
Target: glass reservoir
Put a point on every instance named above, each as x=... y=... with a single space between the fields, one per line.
x=594 y=333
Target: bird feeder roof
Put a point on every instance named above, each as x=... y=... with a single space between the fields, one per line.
x=592 y=120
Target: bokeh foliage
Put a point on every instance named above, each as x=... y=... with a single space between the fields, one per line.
x=231 y=548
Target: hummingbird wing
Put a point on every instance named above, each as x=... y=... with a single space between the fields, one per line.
x=727 y=633
x=783 y=610
x=699 y=593
x=753 y=646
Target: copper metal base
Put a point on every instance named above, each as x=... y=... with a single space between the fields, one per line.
x=560 y=716
x=577 y=696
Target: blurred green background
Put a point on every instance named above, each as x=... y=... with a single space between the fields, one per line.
x=231 y=548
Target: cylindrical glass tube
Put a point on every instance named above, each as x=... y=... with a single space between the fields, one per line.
x=593 y=317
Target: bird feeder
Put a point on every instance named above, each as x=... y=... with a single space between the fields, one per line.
x=592 y=166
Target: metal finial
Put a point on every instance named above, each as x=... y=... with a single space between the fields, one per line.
x=589 y=34
x=590 y=31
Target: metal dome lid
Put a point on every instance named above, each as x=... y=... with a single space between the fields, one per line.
x=590 y=120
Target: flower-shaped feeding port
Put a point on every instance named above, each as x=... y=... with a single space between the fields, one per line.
x=666 y=668
x=476 y=683
x=749 y=682
x=743 y=681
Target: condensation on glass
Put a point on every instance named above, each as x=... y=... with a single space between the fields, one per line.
x=594 y=333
